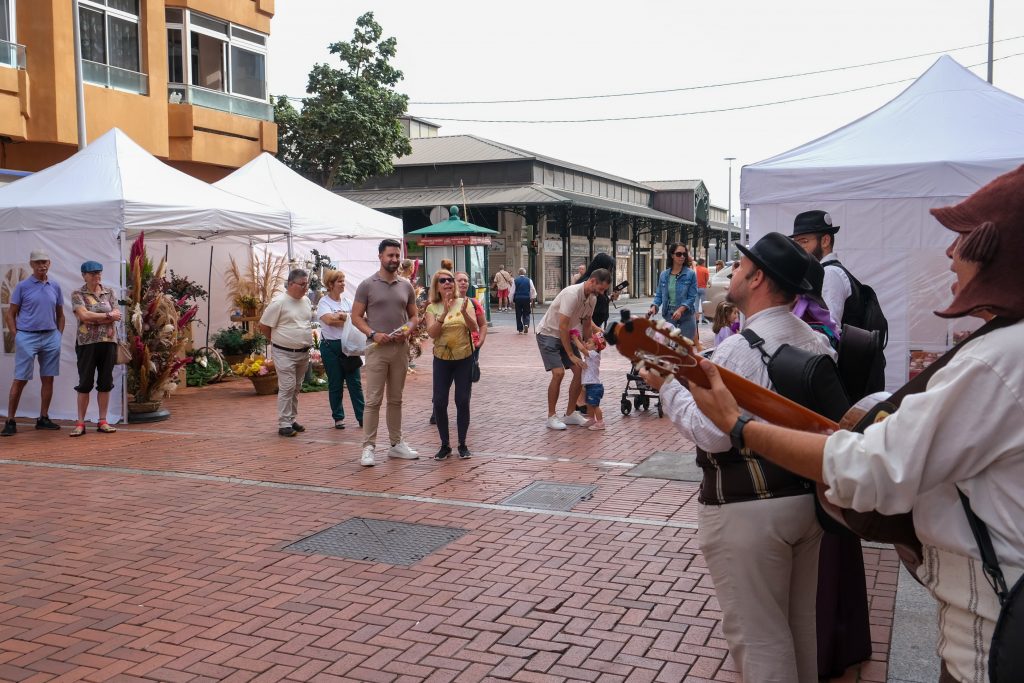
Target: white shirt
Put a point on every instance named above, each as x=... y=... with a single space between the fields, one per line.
x=835 y=289
x=777 y=326
x=289 y=321
x=966 y=429
x=329 y=305
x=573 y=303
x=592 y=370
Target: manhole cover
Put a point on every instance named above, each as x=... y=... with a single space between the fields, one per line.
x=549 y=495
x=666 y=465
x=376 y=540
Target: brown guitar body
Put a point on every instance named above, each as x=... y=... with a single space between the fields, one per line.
x=660 y=347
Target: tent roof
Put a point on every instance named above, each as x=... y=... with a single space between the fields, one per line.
x=946 y=135
x=315 y=212
x=453 y=226
x=114 y=183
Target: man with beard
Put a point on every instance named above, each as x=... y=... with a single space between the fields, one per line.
x=757 y=526
x=385 y=311
x=814 y=232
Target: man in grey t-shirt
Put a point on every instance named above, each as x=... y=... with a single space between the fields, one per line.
x=572 y=308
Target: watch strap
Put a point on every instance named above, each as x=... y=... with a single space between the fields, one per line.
x=736 y=433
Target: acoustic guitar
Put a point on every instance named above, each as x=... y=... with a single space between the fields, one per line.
x=660 y=346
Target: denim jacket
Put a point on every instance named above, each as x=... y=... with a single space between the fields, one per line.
x=686 y=292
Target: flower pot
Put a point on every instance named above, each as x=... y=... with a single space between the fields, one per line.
x=233 y=358
x=264 y=384
x=143 y=406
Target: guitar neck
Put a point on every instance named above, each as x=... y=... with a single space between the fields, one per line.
x=764 y=403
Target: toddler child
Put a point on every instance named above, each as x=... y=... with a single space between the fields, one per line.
x=726 y=323
x=593 y=389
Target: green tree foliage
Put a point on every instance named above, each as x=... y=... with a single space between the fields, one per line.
x=348 y=128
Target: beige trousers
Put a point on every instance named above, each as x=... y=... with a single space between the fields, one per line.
x=386 y=368
x=763 y=558
x=291 y=367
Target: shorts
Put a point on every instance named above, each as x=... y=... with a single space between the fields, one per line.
x=594 y=393
x=28 y=345
x=96 y=366
x=552 y=353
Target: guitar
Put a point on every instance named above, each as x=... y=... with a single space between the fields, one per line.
x=660 y=346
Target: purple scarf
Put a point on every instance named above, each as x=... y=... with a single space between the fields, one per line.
x=810 y=311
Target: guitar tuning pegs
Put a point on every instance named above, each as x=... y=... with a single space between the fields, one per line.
x=675 y=332
x=688 y=341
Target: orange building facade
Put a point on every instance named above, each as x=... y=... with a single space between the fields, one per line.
x=186 y=79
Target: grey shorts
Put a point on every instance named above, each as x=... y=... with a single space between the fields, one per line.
x=552 y=353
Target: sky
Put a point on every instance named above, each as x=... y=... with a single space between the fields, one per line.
x=454 y=50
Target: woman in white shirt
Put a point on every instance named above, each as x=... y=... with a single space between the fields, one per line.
x=341 y=370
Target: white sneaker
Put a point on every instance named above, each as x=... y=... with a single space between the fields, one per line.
x=402 y=451
x=555 y=423
x=574 y=419
x=367 y=458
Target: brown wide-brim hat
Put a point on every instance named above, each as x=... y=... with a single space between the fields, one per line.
x=991 y=223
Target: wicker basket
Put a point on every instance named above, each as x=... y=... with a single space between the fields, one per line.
x=264 y=384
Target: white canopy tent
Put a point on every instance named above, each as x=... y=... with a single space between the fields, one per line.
x=87 y=208
x=346 y=231
x=941 y=139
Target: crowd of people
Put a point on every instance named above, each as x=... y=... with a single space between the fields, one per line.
x=760 y=525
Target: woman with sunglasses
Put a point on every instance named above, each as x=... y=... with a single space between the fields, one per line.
x=451 y=321
x=676 y=296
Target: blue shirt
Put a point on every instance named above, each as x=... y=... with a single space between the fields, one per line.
x=37 y=303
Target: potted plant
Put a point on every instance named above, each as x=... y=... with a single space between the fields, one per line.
x=252 y=286
x=235 y=343
x=260 y=371
x=248 y=305
x=155 y=331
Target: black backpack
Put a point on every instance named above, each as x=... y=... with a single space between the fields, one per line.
x=861 y=308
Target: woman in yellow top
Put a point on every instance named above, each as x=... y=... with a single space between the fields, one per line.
x=450 y=323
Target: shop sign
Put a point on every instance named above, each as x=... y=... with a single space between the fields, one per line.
x=498 y=244
x=622 y=250
x=579 y=249
x=553 y=247
x=456 y=241
x=658 y=251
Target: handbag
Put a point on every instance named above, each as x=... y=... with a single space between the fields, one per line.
x=1005 y=658
x=124 y=352
x=475 y=373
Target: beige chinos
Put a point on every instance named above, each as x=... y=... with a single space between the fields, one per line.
x=763 y=559
x=386 y=365
x=291 y=367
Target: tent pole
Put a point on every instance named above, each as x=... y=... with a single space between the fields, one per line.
x=123 y=274
x=209 y=296
x=743 y=223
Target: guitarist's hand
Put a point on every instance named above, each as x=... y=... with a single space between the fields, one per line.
x=653 y=379
x=716 y=403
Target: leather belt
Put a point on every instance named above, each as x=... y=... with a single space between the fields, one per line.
x=304 y=349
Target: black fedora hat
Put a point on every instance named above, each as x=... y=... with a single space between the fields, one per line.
x=781 y=260
x=813 y=223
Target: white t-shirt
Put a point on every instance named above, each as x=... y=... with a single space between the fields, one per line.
x=571 y=302
x=329 y=305
x=592 y=370
x=288 y=319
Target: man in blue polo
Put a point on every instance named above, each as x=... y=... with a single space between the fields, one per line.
x=36 y=317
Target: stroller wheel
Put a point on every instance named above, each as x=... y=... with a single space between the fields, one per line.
x=638 y=403
x=626 y=406
x=661 y=411
x=646 y=403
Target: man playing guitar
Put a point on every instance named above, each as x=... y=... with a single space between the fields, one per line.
x=757 y=525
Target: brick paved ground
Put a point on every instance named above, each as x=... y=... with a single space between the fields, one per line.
x=159 y=553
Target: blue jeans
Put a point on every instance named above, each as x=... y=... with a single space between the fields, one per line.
x=687 y=324
x=335 y=363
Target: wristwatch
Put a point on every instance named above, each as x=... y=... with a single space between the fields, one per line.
x=736 y=433
x=371 y=335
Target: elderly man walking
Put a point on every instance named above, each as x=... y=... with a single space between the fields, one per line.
x=36 y=317
x=385 y=311
x=286 y=325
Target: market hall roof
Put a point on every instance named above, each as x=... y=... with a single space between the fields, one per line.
x=500 y=195
x=666 y=185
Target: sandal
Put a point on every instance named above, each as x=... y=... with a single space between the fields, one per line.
x=78 y=430
x=105 y=428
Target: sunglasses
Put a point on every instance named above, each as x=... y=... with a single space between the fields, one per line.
x=680 y=254
x=445 y=280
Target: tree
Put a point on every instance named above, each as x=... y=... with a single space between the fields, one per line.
x=348 y=128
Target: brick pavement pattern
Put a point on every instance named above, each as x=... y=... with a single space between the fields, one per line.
x=158 y=553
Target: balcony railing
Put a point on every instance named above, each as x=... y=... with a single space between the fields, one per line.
x=221 y=101
x=12 y=55
x=114 y=77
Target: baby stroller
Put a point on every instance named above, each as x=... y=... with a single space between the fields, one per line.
x=638 y=393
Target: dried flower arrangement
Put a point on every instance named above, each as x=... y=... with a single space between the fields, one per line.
x=154 y=328
x=256 y=284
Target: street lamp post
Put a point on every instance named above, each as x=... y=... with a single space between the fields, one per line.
x=728 y=241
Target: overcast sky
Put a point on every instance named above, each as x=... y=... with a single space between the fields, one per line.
x=462 y=50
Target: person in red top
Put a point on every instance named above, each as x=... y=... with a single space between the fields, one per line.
x=703 y=277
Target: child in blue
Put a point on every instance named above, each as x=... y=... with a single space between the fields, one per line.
x=592 y=386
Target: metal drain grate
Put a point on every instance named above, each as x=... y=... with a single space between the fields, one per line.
x=376 y=540
x=550 y=495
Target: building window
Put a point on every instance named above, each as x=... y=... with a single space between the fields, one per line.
x=7 y=22
x=110 y=44
x=222 y=57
